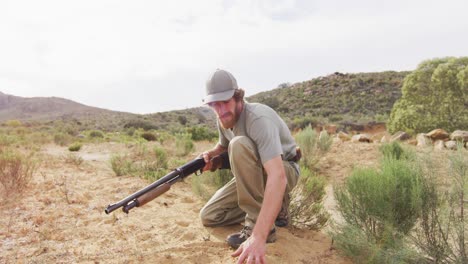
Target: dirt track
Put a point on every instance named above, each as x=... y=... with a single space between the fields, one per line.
x=62 y=220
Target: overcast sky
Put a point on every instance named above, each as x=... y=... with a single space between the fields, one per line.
x=152 y=56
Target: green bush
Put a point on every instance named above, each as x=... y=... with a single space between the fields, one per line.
x=306 y=209
x=433 y=96
x=62 y=139
x=380 y=207
x=121 y=165
x=148 y=136
x=201 y=133
x=307 y=141
x=75 y=146
x=95 y=134
x=184 y=144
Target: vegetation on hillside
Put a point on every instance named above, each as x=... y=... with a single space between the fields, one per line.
x=337 y=98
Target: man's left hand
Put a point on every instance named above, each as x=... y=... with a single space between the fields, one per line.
x=251 y=251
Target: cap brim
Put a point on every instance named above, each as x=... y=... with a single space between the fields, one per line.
x=223 y=96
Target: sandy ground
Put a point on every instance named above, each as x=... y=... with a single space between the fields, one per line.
x=61 y=219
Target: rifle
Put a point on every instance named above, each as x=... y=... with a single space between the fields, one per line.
x=162 y=185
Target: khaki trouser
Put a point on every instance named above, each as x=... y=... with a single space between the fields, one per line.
x=241 y=198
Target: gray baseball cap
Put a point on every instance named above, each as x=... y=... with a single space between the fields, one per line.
x=220 y=86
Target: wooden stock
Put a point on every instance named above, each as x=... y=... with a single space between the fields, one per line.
x=145 y=198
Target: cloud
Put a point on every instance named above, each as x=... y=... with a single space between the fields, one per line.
x=139 y=56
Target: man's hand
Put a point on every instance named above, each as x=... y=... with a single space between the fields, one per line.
x=251 y=251
x=211 y=162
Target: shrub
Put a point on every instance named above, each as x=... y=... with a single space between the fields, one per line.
x=75 y=146
x=95 y=134
x=307 y=140
x=201 y=133
x=433 y=96
x=441 y=234
x=184 y=144
x=148 y=136
x=13 y=123
x=62 y=139
x=121 y=164
x=16 y=172
x=306 y=209
x=71 y=158
x=380 y=206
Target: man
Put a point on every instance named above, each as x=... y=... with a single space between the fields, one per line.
x=262 y=157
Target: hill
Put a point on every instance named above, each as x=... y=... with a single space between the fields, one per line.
x=337 y=98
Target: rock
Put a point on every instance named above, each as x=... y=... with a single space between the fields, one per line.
x=452 y=145
x=331 y=129
x=400 y=135
x=439 y=145
x=343 y=136
x=385 y=139
x=459 y=135
x=437 y=134
x=361 y=138
x=423 y=140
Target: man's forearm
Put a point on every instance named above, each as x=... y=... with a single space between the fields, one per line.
x=272 y=199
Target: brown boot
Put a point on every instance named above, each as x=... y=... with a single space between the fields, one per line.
x=236 y=239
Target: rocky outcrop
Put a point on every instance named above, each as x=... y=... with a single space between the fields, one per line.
x=362 y=138
x=423 y=140
x=400 y=136
x=438 y=134
x=459 y=135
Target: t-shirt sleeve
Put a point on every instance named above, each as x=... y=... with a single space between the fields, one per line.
x=266 y=136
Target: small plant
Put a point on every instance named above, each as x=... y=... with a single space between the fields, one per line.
x=16 y=172
x=184 y=144
x=71 y=158
x=62 y=139
x=96 y=134
x=149 y=136
x=75 y=147
x=121 y=164
x=306 y=209
x=380 y=207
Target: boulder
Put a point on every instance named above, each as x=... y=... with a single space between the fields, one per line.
x=400 y=135
x=439 y=145
x=331 y=129
x=385 y=139
x=452 y=145
x=343 y=136
x=423 y=140
x=438 y=134
x=459 y=135
x=361 y=138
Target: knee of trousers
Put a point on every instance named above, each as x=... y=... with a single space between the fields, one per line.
x=240 y=144
x=205 y=216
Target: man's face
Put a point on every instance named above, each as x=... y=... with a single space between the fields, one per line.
x=226 y=111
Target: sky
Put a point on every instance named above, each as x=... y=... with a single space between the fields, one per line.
x=148 y=56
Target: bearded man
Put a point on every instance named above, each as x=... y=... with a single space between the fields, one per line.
x=263 y=159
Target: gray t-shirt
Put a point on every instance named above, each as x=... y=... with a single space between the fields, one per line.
x=265 y=128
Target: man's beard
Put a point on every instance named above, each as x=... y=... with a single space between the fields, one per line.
x=231 y=121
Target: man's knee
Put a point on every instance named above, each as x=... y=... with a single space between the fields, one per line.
x=240 y=144
x=207 y=216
